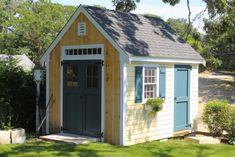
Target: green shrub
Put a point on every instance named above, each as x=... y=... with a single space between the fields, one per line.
x=216 y=115
x=230 y=126
x=155 y=103
x=17 y=97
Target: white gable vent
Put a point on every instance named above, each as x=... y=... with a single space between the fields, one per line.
x=81 y=29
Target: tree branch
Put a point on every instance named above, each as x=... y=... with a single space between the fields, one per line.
x=188 y=30
x=200 y=14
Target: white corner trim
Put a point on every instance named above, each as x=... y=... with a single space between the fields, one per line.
x=61 y=95
x=166 y=60
x=102 y=102
x=123 y=75
x=68 y=25
x=47 y=97
x=173 y=99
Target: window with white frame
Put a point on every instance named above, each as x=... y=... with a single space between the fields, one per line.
x=150 y=82
x=82 y=51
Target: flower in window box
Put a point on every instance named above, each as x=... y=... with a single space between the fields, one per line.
x=154 y=104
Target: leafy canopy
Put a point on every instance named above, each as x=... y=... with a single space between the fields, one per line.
x=30 y=26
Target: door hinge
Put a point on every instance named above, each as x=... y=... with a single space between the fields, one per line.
x=62 y=128
x=63 y=63
x=100 y=62
x=188 y=125
x=101 y=135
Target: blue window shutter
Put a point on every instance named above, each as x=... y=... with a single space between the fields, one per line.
x=162 y=82
x=138 y=83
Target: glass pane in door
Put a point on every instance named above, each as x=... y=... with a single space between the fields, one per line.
x=72 y=75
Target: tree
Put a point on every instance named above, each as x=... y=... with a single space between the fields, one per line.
x=125 y=5
x=17 y=97
x=194 y=38
x=219 y=41
x=33 y=26
x=220 y=36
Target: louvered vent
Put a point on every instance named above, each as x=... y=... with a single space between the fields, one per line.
x=81 y=29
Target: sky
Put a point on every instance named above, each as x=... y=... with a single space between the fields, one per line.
x=157 y=7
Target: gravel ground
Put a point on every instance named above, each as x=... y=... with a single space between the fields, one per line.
x=215 y=85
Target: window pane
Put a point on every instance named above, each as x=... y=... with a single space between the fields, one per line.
x=75 y=51
x=67 y=52
x=153 y=79
x=72 y=76
x=84 y=51
x=89 y=51
x=80 y=51
x=89 y=82
x=149 y=91
x=94 y=51
x=99 y=50
x=95 y=82
x=71 y=52
x=92 y=76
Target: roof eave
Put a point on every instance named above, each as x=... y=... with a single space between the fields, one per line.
x=167 y=60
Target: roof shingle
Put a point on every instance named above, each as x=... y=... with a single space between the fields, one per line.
x=140 y=35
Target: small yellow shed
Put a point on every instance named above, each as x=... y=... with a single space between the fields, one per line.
x=102 y=67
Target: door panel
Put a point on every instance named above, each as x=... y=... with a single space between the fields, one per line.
x=92 y=117
x=92 y=92
x=72 y=102
x=181 y=107
x=82 y=97
x=73 y=118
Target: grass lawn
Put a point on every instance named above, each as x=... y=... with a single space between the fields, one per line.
x=171 y=148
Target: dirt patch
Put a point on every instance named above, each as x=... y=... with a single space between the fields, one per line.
x=215 y=85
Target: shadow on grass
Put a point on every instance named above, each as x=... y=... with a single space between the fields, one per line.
x=54 y=149
x=172 y=148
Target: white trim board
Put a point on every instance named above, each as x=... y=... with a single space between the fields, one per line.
x=68 y=25
x=47 y=97
x=123 y=82
x=83 y=57
x=166 y=60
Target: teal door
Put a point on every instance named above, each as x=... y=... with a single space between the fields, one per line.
x=182 y=97
x=82 y=97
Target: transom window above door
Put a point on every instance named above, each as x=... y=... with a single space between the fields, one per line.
x=83 y=51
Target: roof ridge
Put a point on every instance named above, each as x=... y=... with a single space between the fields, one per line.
x=116 y=11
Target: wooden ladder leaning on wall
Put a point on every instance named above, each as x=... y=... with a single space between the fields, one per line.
x=50 y=102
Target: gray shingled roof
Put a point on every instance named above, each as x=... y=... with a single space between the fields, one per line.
x=140 y=35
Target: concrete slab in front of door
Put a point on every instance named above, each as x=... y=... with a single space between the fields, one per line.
x=70 y=138
x=200 y=139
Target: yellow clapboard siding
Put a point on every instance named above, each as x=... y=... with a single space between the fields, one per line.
x=140 y=126
x=111 y=80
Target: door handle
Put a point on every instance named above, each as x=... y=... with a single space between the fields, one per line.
x=175 y=98
x=80 y=97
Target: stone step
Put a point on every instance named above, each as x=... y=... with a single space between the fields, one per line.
x=202 y=140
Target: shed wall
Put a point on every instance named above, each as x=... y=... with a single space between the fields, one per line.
x=111 y=78
x=141 y=126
